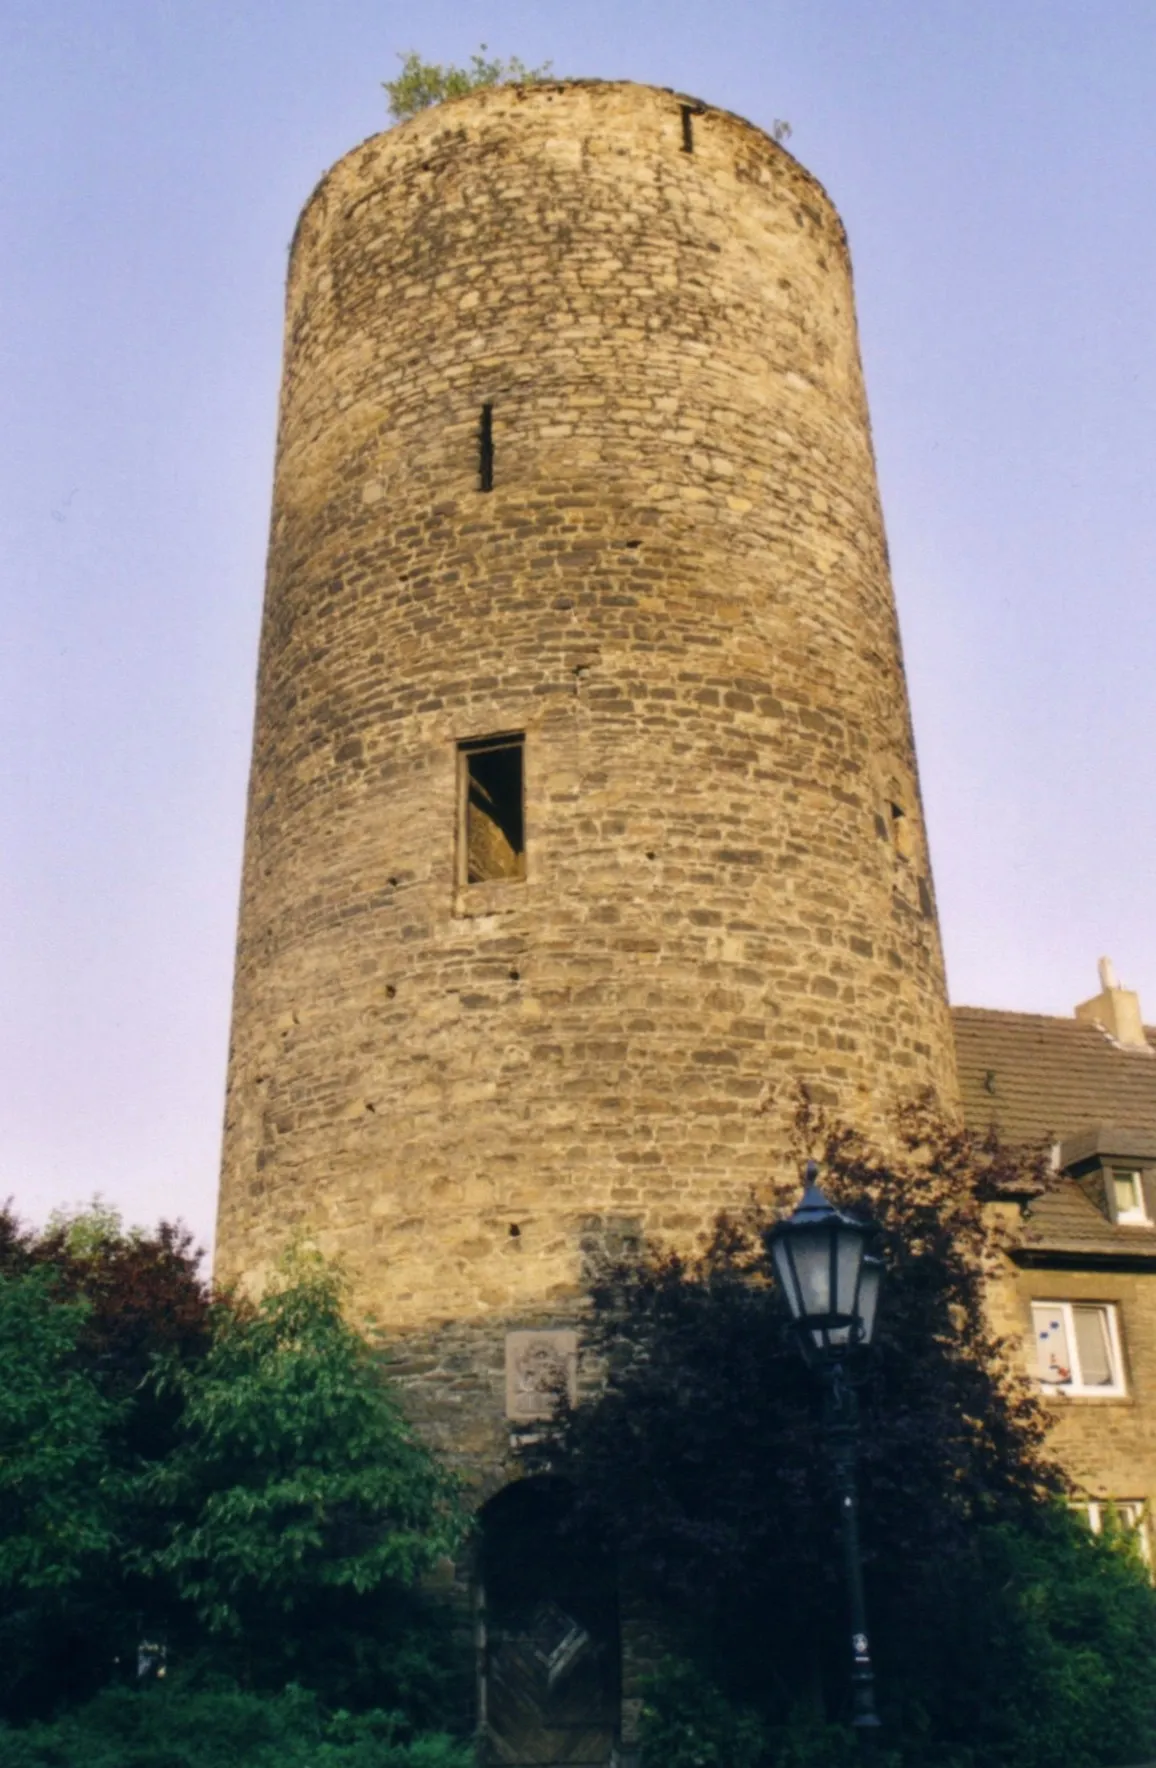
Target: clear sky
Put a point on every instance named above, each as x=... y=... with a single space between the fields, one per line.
x=994 y=161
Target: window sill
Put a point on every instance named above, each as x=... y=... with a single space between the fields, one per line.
x=499 y=898
x=1067 y=1394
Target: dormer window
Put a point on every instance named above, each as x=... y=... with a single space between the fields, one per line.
x=1115 y=1168
x=1129 y=1206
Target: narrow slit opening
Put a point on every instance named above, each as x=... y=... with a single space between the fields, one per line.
x=492 y=810
x=486 y=449
x=687 y=128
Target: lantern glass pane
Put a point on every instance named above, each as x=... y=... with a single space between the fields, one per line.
x=851 y=1243
x=812 y=1251
x=785 y=1274
x=869 y=1281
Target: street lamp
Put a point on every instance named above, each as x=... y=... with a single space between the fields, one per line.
x=832 y=1288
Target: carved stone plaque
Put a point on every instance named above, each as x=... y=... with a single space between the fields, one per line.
x=538 y=1366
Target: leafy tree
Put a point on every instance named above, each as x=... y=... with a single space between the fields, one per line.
x=57 y=1489
x=143 y=1294
x=84 y=1306
x=60 y=1491
x=232 y=1482
x=299 y=1499
x=703 y=1451
x=424 y=83
x=701 y=1458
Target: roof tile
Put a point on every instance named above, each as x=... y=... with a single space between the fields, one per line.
x=1040 y=1079
x=1037 y=1079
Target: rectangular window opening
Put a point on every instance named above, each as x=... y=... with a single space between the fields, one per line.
x=486 y=449
x=492 y=810
x=1128 y=1203
x=688 y=111
x=1078 y=1347
x=1128 y=1516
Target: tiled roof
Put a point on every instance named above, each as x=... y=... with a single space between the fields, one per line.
x=1042 y=1079
x=1066 y=1221
x=1038 y=1078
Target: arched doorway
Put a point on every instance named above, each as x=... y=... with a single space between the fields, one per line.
x=549 y=1656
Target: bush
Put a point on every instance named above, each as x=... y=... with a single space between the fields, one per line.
x=182 y=1727
x=1030 y=1658
x=687 y=1722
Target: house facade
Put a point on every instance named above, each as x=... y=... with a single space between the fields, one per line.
x=1080 y=1293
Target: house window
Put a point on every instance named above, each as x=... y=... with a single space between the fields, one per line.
x=491 y=814
x=1128 y=1205
x=1126 y=1514
x=1078 y=1347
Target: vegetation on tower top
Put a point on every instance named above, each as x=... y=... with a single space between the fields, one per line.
x=421 y=84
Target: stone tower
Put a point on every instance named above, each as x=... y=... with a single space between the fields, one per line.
x=584 y=820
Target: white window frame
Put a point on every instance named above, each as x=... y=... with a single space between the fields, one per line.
x=1077 y=1385
x=1131 y=1512
x=1138 y=1216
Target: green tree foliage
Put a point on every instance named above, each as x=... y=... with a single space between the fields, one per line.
x=231 y=1482
x=58 y=1486
x=423 y=83
x=703 y=1461
x=296 y=1490
x=142 y=1294
x=1034 y=1657
x=84 y=1308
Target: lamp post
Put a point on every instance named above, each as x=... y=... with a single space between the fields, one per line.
x=832 y=1289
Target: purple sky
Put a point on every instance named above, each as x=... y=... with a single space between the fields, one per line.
x=994 y=162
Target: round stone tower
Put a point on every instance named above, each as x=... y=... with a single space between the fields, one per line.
x=584 y=821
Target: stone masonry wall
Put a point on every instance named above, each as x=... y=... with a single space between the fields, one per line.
x=678 y=590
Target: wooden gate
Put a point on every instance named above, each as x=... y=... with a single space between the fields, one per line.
x=548 y=1637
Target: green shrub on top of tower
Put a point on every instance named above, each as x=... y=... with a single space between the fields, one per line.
x=421 y=84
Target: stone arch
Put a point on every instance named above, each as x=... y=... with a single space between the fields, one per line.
x=549 y=1654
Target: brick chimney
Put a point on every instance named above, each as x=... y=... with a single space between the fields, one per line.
x=1115 y=1010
